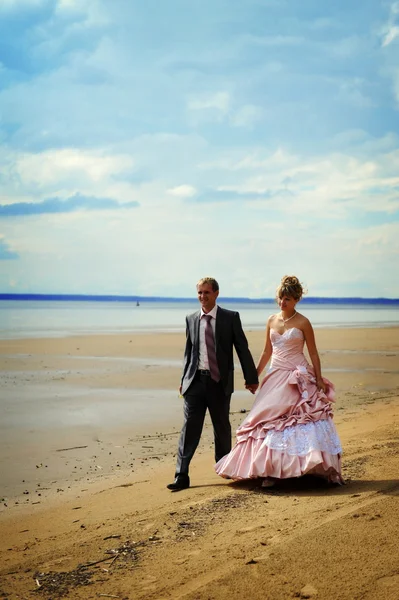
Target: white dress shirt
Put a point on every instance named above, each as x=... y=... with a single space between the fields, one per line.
x=203 y=353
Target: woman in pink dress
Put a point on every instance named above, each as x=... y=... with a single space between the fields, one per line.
x=289 y=430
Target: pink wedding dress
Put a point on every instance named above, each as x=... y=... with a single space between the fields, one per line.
x=289 y=430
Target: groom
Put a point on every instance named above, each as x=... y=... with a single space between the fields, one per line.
x=208 y=376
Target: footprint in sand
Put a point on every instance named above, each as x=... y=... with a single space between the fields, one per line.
x=180 y=561
x=249 y=529
x=309 y=591
x=385 y=587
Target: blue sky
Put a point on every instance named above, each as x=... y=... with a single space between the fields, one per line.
x=144 y=145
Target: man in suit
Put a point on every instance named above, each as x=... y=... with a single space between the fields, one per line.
x=208 y=376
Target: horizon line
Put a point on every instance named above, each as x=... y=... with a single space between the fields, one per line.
x=138 y=298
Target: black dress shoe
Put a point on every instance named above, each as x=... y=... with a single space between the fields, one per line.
x=180 y=483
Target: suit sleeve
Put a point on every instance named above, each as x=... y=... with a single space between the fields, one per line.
x=187 y=351
x=244 y=355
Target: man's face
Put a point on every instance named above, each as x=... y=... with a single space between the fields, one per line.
x=207 y=296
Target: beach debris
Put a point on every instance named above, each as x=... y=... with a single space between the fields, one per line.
x=127 y=551
x=141 y=438
x=112 y=537
x=197 y=518
x=60 y=583
x=146 y=457
x=71 y=448
x=185 y=524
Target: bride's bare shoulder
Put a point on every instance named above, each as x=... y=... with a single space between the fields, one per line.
x=301 y=320
x=272 y=320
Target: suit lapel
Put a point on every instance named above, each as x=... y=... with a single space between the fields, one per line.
x=219 y=326
x=196 y=321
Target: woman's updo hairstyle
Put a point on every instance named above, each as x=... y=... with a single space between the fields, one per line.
x=290 y=286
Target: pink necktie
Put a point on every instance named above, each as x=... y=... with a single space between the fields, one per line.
x=210 y=347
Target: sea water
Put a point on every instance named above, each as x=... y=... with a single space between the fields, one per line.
x=58 y=318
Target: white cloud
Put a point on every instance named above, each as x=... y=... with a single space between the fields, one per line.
x=93 y=11
x=220 y=107
x=333 y=185
x=391 y=30
x=258 y=159
x=273 y=40
x=247 y=116
x=68 y=4
x=346 y=47
x=218 y=103
x=391 y=35
x=68 y=167
x=352 y=92
x=182 y=191
x=20 y=4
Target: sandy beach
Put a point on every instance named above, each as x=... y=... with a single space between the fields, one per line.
x=87 y=444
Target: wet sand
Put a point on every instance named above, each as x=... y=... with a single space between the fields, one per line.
x=87 y=444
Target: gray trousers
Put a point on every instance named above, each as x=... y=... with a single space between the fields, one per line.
x=203 y=394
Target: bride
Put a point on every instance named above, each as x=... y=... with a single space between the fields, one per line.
x=289 y=430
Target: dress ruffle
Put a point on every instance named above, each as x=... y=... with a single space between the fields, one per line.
x=311 y=448
x=289 y=431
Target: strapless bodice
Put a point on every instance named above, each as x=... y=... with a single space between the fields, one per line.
x=287 y=348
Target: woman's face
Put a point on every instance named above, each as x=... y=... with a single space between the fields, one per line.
x=287 y=303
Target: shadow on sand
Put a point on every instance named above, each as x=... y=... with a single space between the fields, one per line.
x=309 y=485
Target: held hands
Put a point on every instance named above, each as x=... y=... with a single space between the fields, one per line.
x=252 y=387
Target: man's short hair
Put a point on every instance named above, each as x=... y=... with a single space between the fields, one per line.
x=210 y=281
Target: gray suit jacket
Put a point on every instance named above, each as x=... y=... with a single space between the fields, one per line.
x=228 y=335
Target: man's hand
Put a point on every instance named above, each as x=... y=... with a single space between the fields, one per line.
x=252 y=387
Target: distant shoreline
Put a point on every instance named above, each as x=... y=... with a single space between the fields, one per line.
x=139 y=299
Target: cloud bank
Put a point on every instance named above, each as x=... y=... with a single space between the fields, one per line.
x=141 y=149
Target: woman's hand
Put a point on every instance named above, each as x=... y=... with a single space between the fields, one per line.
x=321 y=386
x=252 y=387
